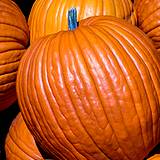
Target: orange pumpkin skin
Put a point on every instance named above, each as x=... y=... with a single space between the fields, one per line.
x=155 y=157
x=148 y=15
x=92 y=93
x=20 y=144
x=50 y=16
x=14 y=37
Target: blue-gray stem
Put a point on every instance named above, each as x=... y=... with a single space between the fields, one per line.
x=72 y=19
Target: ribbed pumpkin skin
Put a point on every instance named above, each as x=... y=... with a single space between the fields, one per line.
x=14 y=37
x=92 y=93
x=50 y=16
x=148 y=15
x=20 y=144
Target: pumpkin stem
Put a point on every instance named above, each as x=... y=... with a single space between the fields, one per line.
x=72 y=19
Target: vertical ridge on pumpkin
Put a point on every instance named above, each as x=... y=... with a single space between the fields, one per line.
x=45 y=70
x=41 y=67
x=19 y=143
x=91 y=90
x=37 y=75
x=88 y=61
x=50 y=16
x=111 y=82
x=76 y=98
x=132 y=77
x=27 y=101
x=149 y=69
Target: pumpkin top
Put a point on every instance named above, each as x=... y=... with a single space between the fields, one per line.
x=50 y=16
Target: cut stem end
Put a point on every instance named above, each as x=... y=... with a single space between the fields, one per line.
x=72 y=19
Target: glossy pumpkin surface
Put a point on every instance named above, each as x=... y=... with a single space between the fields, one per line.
x=20 y=144
x=148 y=16
x=92 y=93
x=14 y=37
x=50 y=16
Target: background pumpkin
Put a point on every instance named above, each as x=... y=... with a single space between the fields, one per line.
x=6 y=118
x=50 y=16
x=20 y=143
x=155 y=157
x=25 y=6
x=148 y=16
x=92 y=93
x=14 y=37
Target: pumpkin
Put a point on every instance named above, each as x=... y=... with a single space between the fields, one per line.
x=50 y=16
x=148 y=15
x=154 y=154
x=25 y=6
x=92 y=93
x=19 y=143
x=154 y=157
x=14 y=36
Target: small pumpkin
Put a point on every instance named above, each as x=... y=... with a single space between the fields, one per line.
x=92 y=93
x=14 y=36
x=148 y=16
x=19 y=143
x=50 y=16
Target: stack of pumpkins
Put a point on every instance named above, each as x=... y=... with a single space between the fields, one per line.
x=88 y=85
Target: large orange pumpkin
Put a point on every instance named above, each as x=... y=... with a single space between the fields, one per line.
x=14 y=37
x=92 y=93
x=20 y=144
x=50 y=16
x=148 y=17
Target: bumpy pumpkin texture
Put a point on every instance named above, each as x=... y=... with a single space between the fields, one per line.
x=20 y=144
x=148 y=16
x=14 y=37
x=50 y=16
x=92 y=93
